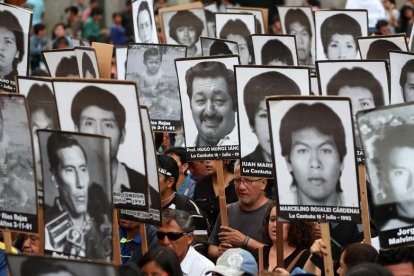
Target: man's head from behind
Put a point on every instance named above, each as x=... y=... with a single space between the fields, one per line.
x=176 y=231
x=179 y=155
x=236 y=262
x=407 y=81
x=97 y=111
x=399 y=261
x=312 y=140
x=69 y=169
x=212 y=92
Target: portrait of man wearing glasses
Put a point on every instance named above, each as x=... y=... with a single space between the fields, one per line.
x=177 y=233
x=251 y=206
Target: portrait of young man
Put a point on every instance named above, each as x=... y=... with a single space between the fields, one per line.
x=313 y=143
x=407 y=81
x=95 y=109
x=209 y=101
x=78 y=216
x=144 y=23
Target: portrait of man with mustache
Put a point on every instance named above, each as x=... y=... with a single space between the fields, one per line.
x=213 y=100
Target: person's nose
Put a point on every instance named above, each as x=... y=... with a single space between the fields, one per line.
x=99 y=129
x=210 y=108
x=314 y=161
x=80 y=180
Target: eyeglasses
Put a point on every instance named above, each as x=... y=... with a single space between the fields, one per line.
x=172 y=236
x=245 y=181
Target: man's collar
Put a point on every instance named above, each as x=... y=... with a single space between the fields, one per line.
x=187 y=261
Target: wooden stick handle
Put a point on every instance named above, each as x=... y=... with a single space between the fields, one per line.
x=7 y=240
x=364 y=204
x=144 y=242
x=327 y=259
x=260 y=251
x=115 y=240
x=279 y=245
x=221 y=192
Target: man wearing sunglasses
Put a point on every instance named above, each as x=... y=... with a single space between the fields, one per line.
x=243 y=216
x=177 y=232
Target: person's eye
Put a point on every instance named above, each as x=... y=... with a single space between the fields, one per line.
x=326 y=150
x=84 y=169
x=200 y=101
x=9 y=41
x=68 y=170
x=302 y=150
x=263 y=115
x=397 y=172
x=180 y=29
x=88 y=123
x=219 y=102
x=109 y=125
x=333 y=45
x=350 y=46
x=365 y=104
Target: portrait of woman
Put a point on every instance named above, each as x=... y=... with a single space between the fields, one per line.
x=185 y=29
x=88 y=70
x=11 y=45
x=236 y=30
x=338 y=35
x=67 y=67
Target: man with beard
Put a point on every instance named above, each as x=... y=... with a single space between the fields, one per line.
x=213 y=100
x=250 y=207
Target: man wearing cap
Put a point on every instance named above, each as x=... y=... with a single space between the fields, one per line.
x=177 y=233
x=251 y=207
x=235 y=262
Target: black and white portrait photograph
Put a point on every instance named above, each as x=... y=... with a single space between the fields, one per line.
x=15 y=27
x=209 y=106
x=18 y=199
x=386 y=135
x=402 y=77
x=315 y=90
x=42 y=108
x=258 y=17
x=87 y=62
x=121 y=53
x=237 y=27
x=23 y=265
x=313 y=148
x=298 y=21
x=218 y=47
x=253 y=85
x=62 y=63
x=337 y=32
x=377 y=47
x=184 y=27
x=152 y=68
x=210 y=9
x=78 y=194
x=80 y=42
x=145 y=30
x=109 y=108
x=275 y=50
x=365 y=82
x=153 y=216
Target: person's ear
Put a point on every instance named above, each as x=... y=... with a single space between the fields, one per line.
x=123 y=134
x=17 y=54
x=53 y=178
x=264 y=184
x=77 y=128
x=170 y=182
x=289 y=165
x=184 y=167
x=190 y=238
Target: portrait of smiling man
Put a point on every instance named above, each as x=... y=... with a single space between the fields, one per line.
x=312 y=141
x=213 y=101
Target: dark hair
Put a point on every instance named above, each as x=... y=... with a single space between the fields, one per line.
x=144 y=7
x=396 y=256
x=10 y=22
x=238 y=27
x=34 y=266
x=87 y=65
x=185 y=18
x=358 y=253
x=356 y=77
x=407 y=68
x=219 y=48
x=41 y=97
x=181 y=217
x=297 y=16
x=60 y=40
x=73 y=9
x=164 y=257
x=67 y=66
x=341 y=24
x=212 y=69
x=168 y=163
x=115 y=14
x=38 y=27
x=301 y=234
x=306 y=116
x=372 y=269
x=153 y=51
x=95 y=96
x=266 y=84
x=57 y=141
x=392 y=137
x=96 y=11
x=379 y=49
x=209 y=16
x=381 y=23
x=180 y=152
x=274 y=49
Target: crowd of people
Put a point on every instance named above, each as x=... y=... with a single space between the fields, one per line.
x=192 y=239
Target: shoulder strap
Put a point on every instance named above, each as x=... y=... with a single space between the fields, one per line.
x=295 y=260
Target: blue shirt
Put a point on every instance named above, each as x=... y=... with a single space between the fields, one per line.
x=131 y=250
x=188 y=187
